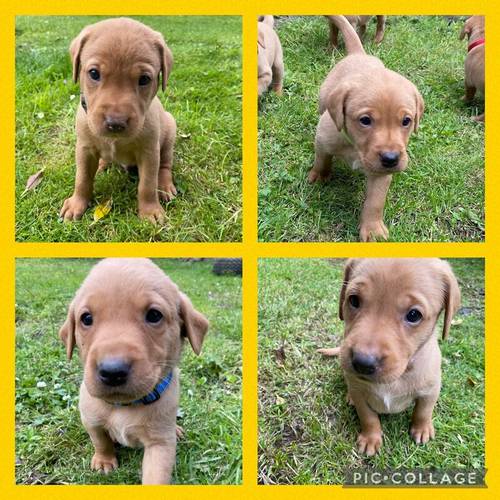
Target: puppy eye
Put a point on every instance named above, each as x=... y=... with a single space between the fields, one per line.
x=406 y=121
x=154 y=316
x=144 y=80
x=86 y=319
x=413 y=316
x=365 y=120
x=94 y=74
x=354 y=301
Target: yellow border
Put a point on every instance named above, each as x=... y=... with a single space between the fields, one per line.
x=249 y=249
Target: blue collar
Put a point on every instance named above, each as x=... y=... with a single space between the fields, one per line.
x=154 y=395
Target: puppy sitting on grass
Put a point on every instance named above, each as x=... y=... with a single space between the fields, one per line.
x=120 y=63
x=270 y=67
x=390 y=354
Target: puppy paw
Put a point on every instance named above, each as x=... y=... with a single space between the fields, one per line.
x=167 y=192
x=103 y=463
x=373 y=231
x=152 y=211
x=369 y=444
x=103 y=165
x=422 y=432
x=479 y=118
x=73 y=208
x=179 y=432
x=278 y=88
x=315 y=176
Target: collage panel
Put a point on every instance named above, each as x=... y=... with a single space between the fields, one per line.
x=146 y=111
x=371 y=128
x=370 y=364
x=138 y=326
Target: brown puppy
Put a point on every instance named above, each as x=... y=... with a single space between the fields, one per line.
x=129 y=321
x=390 y=353
x=367 y=115
x=474 y=62
x=358 y=23
x=119 y=63
x=270 y=69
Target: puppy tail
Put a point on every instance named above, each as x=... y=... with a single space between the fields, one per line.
x=269 y=20
x=351 y=39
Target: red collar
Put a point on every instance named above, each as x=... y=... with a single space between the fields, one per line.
x=479 y=41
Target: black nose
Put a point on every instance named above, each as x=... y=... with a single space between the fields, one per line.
x=389 y=159
x=365 y=364
x=115 y=123
x=113 y=371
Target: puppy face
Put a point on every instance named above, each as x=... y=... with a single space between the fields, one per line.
x=128 y=320
x=390 y=308
x=119 y=63
x=378 y=119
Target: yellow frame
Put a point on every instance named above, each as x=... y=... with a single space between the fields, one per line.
x=249 y=249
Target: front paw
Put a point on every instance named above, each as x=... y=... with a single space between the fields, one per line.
x=103 y=463
x=73 y=208
x=373 y=231
x=369 y=444
x=167 y=192
x=152 y=211
x=315 y=176
x=422 y=432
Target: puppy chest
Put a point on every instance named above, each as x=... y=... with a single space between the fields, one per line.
x=388 y=402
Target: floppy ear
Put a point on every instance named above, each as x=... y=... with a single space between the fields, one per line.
x=194 y=326
x=75 y=50
x=466 y=30
x=67 y=331
x=419 y=109
x=451 y=299
x=336 y=104
x=166 y=58
x=260 y=39
x=348 y=268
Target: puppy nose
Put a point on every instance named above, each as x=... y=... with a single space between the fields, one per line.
x=365 y=364
x=113 y=371
x=389 y=159
x=115 y=123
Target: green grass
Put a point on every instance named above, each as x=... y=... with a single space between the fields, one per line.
x=307 y=432
x=203 y=94
x=440 y=197
x=52 y=446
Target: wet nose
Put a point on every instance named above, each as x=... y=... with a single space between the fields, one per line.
x=115 y=123
x=113 y=371
x=365 y=364
x=389 y=159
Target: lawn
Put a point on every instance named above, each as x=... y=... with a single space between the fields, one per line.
x=52 y=446
x=307 y=432
x=440 y=197
x=203 y=94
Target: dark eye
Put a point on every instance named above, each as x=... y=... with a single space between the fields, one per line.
x=154 y=316
x=406 y=121
x=413 y=316
x=144 y=80
x=354 y=301
x=86 y=319
x=365 y=120
x=94 y=74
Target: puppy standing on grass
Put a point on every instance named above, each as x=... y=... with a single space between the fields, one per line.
x=358 y=23
x=474 y=62
x=367 y=115
x=270 y=69
x=129 y=321
x=390 y=354
x=120 y=63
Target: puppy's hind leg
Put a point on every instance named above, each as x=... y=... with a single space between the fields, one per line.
x=278 y=72
x=166 y=187
x=379 y=34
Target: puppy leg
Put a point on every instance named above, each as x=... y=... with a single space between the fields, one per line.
x=278 y=72
x=147 y=195
x=321 y=170
x=362 y=30
x=166 y=187
x=158 y=463
x=379 y=34
x=265 y=79
x=334 y=35
x=104 y=459
x=372 y=225
x=86 y=166
x=470 y=92
x=421 y=423
x=370 y=439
